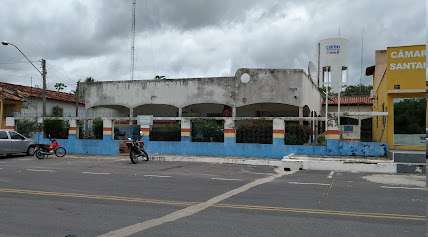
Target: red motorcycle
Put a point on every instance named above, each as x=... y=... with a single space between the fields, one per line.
x=44 y=150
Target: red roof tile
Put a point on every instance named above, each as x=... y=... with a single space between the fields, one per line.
x=11 y=95
x=350 y=100
x=37 y=92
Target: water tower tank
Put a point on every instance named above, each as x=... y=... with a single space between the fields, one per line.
x=333 y=56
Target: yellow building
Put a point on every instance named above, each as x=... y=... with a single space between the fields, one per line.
x=399 y=88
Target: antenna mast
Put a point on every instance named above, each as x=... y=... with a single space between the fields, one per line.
x=134 y=3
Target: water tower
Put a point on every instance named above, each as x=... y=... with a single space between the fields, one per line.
x=333 y=62
x=332 y=71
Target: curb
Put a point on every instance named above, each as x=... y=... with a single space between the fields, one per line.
x=294 y=163
x=219 y=160
x=357 y=165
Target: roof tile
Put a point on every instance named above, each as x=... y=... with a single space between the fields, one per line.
x=37 y=92
x=350 y=100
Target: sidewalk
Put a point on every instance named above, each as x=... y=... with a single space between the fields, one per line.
x=292 y=162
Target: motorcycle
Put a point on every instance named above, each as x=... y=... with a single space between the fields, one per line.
x=44 y=150
x=136 y=151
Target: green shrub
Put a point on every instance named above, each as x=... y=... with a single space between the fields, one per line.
x=207 y=130
x=56 y=128
x=296 y=134
x=26 y=127
x=321 y=139
x=97 y=128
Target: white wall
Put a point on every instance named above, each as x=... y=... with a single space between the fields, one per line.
x=347 y=108
x=34 y=107
x=285 y=86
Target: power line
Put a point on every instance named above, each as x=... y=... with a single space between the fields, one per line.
x=18 y=62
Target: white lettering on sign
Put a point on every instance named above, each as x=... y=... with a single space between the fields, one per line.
x=408 y=54
x=407 y=66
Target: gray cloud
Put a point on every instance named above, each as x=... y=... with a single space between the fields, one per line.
x=195 y=37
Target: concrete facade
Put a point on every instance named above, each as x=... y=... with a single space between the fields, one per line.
x=291 y=87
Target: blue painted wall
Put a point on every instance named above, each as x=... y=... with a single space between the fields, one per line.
x=73 y=145
x=277 y=150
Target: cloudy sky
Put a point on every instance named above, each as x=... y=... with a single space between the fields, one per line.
x=194 y=38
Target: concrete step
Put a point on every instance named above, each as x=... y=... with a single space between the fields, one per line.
x=407 y=156
x=411 y=168
x=340 y=164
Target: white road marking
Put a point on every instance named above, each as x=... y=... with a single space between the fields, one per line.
x=100 y=173
x=396 y=187
x=157 y=176
x=321 y=184
x=260 y=173
x=36 y=170
x=119 y=160
x=1 y=168
x=191 y=210
x=224 y=179
x=330 y=175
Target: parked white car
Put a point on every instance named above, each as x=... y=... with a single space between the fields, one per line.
x=12 y=142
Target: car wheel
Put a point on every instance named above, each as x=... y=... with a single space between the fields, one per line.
x=31 y=150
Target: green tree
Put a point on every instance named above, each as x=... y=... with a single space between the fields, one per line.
x=89 y=80
x=59 y=86
x=330 y=93
x=409 y=116
x=357 y=90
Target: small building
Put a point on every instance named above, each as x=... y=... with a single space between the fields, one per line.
x=353 y=128
x=25 y=101
x=399 y=88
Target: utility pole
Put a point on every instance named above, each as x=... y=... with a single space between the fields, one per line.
x=134 y=3
x=44 y=86
x=77 y=95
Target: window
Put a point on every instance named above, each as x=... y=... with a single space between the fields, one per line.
x=207 y=130
x=3 y=135
x=14 y=135
x=165 y=131
x=409 y=121
x=57 y=111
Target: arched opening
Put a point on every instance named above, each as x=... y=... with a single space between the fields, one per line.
x=267 y=110
x=157 y=110
x=207 y=130
x=108 y=111
x=207 y=110
x=161 y=130
x=306 y=111
x=260 y=131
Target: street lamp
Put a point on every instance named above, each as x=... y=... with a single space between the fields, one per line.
x=42 y=73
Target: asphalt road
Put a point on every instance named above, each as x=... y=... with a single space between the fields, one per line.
x=92 y=197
